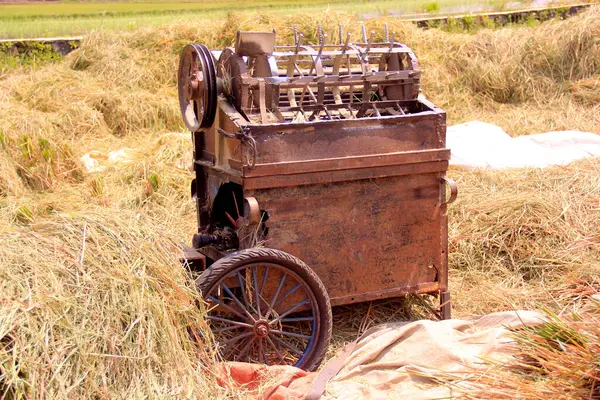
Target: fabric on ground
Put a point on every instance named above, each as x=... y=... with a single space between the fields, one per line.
x=400 y=360
x=255 y=381
x=478 y=144
x=95 y=161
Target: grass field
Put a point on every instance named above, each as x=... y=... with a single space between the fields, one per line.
x=70 y=18
x=93 y=301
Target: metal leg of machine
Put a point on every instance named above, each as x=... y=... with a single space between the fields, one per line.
x=445 y=305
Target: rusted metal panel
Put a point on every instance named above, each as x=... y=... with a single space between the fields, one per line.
x=363 y=238
x=421 y=288
x=276 y=181
x=334 y=139
x=341 y=163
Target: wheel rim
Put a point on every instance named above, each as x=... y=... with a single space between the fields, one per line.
x=263 y=312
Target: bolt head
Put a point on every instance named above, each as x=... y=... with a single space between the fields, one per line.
x=262 y=329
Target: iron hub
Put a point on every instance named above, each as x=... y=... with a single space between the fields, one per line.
x=261 y=329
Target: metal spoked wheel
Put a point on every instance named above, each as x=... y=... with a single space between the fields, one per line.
x=197 y=87
x=267 y=306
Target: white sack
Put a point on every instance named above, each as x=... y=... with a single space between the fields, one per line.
x=478 y=144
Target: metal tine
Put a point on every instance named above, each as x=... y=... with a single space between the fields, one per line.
x=295 y=36
x=347 y=43
x=365 y=55
x=387 y=36
x=364 y=33
x=344 y=52
x=299 y=42
x=292 y=66
x=320 y=34
x=322 y=38
x=341 y=34
x=377 y=113
x=370 y=42
x=318 y=57
x=392 y=41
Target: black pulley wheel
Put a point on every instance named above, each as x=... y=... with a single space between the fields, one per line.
x=197 y=87
x=267 y=306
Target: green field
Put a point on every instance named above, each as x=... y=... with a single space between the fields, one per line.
x=73 y=18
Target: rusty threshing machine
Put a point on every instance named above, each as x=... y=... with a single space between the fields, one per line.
x=319 y=181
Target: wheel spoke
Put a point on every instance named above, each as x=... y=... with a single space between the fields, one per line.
x=276 y=295
x=245 y=349
x=261 y=353
x=262 y=287
x=229 y=321
x=276 y=350
x=291 y=310
x=235 y=339
x=229 y=328
x=299 y=319
x=237 y=301
x=225 y=306
x=288 y=346
x=292 y=290
x=244 y=294
x=286 y=333
x=256 y=294
x=231 y=347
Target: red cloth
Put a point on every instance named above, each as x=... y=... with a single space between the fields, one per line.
x=254 y=381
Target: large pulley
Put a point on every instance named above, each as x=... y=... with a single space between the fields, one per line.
x=197 y=87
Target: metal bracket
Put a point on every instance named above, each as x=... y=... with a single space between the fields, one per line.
x=246 y=138
x=453 y=191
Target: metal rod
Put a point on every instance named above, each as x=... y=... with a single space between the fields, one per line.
x=387 y=36
x=364 y=33
x=341 y=34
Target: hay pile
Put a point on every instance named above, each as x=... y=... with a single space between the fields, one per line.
x=111 y=321
x=558 y=360
x=516 y=235
x=95 y=306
